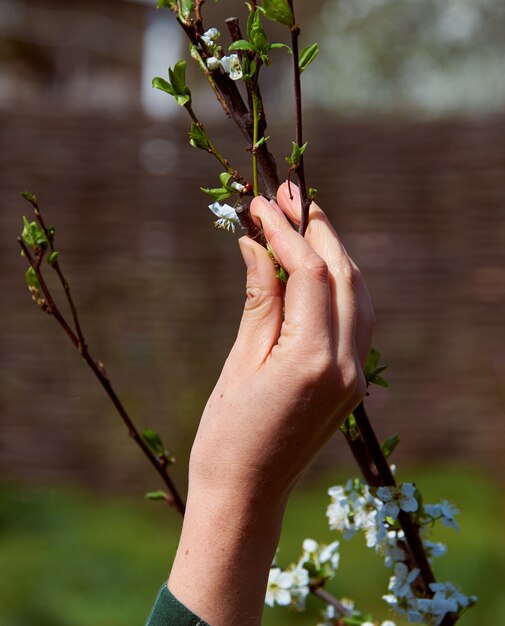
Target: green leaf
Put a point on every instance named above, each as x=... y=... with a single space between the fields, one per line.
x=166 y=4
x=163 y=85
x=350 y=428
x=390 y=444
x=249 y=67
x=218 y=193
x=33 y=235
x=154 y=443
x=261 y=142
x=186 y=8
x=31 y=279
x=282 y=274
x=241 y=44
x=177 y=77
x=257 y=34
x=307 y=56
x=312 y=193
x=278 y=11
x=29 y=197
x=156 y=495
x=225 y=178
x=281 y=45
x=198 y=137
x=372 y=369
x=52 y=259
x=296 y=154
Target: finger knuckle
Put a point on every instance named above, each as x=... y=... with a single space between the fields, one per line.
x=316 y=268
x=258 y=299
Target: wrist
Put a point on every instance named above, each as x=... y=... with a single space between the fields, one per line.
x=225 y=552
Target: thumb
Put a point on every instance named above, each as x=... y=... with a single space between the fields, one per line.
x=262 y=317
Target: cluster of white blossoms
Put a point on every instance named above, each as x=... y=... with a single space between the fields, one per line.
x=230 y=64
x=447 y=598
x=292 y=586
x=354 y=507
x=227 y=216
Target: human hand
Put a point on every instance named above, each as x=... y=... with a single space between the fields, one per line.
x=292 y=376
x=288 y=383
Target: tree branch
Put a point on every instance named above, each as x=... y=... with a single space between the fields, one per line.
x=299 y=168
x=78 y=340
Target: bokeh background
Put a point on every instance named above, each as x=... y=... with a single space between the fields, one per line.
x=405 y=116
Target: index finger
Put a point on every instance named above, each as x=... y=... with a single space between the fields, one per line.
x=307 y=300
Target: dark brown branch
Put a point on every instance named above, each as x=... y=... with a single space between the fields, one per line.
x=386 y=478
x=234 y=106
x=299 y=168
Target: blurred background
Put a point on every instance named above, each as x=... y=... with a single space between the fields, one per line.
x=405 y=117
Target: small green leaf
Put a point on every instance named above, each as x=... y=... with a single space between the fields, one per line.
x=241 y=44
x=278 y=11
x=163 y=85
x=156 y=495
x=52 y=259
x=225 y=178
x=282 y=274
x=296 y=154
x=154 y=443
x=390 y=444
x=186 y=8
x=307 y=56
x=312 y=193
x=372 y=369
x=31 y=279
x=249 y=67
x=218 y=193
x=33 y=235
x=166 y=4
x=257 y=33
x=198 y=138
x=29 y=197
x=281 y=45
x=350 y=428
x=261 y=142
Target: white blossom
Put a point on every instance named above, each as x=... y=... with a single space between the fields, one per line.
x=330 y=554
x=445 y=511
x=231 y=65
x=300 y=585
x=396 y=498
x=399 y=584
x=278 y=588
x=434 y=549
x=227 y=216
x=210 y=36
x=388 y=622
x=213 y=63
x=448 y=595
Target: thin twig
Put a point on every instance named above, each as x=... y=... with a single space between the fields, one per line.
x=79 y=342
x=299 y=168
x=326 y=597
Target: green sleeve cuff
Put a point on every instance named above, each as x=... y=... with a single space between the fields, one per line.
x=168 y=611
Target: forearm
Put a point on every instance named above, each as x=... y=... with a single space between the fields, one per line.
x=226 y=548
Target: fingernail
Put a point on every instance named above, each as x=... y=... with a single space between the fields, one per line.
x=248 y=253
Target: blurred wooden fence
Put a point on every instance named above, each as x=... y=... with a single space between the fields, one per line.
x=420 y=206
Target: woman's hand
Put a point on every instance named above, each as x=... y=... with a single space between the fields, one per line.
x=293 y=375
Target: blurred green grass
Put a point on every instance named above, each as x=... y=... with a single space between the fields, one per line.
x=72 y=558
